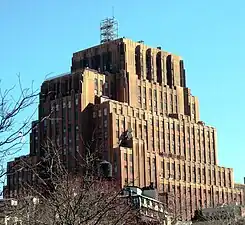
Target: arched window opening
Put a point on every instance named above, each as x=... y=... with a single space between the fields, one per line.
x=169 y=71
x=159 y=67
x=182 y=74
x=148 y=65
x=137 y=62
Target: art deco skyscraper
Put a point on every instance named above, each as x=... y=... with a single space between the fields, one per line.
x=121 y=86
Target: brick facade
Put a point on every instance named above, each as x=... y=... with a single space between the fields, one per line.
x=124 y=84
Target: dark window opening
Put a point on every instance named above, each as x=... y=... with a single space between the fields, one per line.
x=137 y=62
x=148 y=65
x=96 y=62
x=112 y=91
x=169 y=71
x=81 y=63
x=85 y=62
x=122 y=48
x=159 y=67
x=104 y=61
x=107 y=61
x=182 y=74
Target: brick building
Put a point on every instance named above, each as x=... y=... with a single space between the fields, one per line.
x=122 y=86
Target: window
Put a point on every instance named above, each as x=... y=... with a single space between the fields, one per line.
x=199 y=174
x=129 y=125
x=99 y=113
x=122 y=125
x=69 y=104
x=178 y=171
x=173 y=166
x=203 y=175
x=69 y=127
x=183 y=172
x=194 y=174
x=76 y=101
x=144 y=92
x=125 y=157
x=148 y=64
x=154 y=167
x=171 y=126
x=95 y=86
x=140 y=131
x=150 y=93
x=139 y=90
x=178 y=127
x=155 y=95
x=131 y=158
x=94 y=114
x=162 y=165
x=150 y=102
x=149 y=167
x=175 y=100
x=106 y=89
x=193 y=108
x=131 y=169
x=155 y=106
x=101 y=85
x=170 y=98
x=105 y=111
x=145 y=130
x=120 y=110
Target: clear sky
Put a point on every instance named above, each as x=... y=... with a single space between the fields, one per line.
x=39 y=37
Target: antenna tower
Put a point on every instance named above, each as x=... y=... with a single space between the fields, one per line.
x=108 y=30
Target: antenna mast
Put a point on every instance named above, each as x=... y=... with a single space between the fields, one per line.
x=108 y=29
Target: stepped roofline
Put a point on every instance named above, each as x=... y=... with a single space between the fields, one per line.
x=127 y=40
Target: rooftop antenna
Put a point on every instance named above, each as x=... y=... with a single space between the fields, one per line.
x=108 y=29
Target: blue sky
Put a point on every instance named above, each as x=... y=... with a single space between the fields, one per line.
x=39 y=37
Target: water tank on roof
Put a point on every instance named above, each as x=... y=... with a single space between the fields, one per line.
x=105 y=169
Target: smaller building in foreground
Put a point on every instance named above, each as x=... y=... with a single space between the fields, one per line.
x=146 y=200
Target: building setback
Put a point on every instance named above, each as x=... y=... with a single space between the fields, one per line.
x=122 y=86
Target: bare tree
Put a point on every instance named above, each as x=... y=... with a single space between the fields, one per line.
x=61 y=196
x=15 y=120
x=223 y=215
